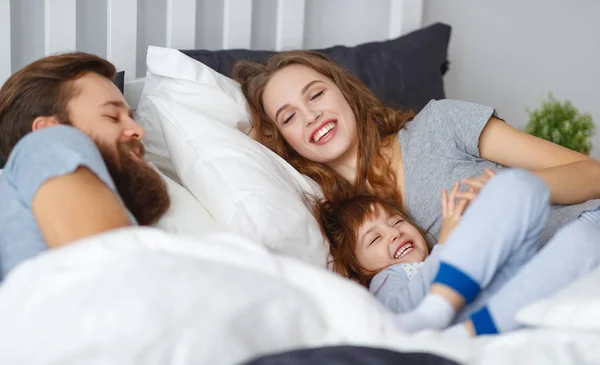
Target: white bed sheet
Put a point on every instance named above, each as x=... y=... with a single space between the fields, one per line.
x=140 y=295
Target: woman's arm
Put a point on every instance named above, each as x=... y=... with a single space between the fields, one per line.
x=571 y=176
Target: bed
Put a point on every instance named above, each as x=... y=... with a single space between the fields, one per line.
x=236 y=269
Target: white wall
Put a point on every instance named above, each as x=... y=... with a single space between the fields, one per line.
x=264 y=13
x=151 y=29
x=89 y=39
x=511 y=53
x=27 y=31
x=209 y=28
x=347 y=22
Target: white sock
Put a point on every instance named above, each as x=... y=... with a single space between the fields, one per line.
x=459 y=330
x=434 y=312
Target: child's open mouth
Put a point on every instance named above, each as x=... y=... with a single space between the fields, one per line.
x=404 y=249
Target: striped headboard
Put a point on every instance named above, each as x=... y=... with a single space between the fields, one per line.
x=121 y=30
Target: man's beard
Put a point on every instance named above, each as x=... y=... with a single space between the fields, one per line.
x=141 y=188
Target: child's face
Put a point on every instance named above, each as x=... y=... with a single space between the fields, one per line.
x=388 y=239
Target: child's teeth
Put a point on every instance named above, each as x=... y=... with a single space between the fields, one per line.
x=403 y=250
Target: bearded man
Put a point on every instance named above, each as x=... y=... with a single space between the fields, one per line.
x=74 y=158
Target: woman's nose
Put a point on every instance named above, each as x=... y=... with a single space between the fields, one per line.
x=312 y=116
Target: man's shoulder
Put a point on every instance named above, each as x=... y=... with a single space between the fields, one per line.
x=57 y=145
x=48 y=153
x=61 y=137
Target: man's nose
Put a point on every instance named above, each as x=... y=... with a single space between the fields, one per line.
x=133 y=130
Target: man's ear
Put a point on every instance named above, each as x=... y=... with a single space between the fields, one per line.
x=44 y=122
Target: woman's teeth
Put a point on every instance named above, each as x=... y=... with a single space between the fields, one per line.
x=323 y=131
x=403 y=250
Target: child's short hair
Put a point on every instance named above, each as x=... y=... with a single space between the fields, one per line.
x=340 y=220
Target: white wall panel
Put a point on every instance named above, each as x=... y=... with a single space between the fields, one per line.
x=5 y=46
x=181 y=24
x=60 y=26
x=290 y=24
x=122 y=35
x=237 y=24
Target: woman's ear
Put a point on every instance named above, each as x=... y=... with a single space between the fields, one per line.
x=44 y=122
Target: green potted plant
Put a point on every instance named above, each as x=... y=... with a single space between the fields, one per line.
x=561 y=123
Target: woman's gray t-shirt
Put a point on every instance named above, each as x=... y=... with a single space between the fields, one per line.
x=441 y=146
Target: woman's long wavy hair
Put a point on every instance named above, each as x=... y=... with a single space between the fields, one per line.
x=340 y=220
x=375 y=123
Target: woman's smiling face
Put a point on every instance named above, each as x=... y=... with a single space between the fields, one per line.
x=312 y=114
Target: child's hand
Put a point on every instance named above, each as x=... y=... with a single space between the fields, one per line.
x=475 y=185
x=451 y=211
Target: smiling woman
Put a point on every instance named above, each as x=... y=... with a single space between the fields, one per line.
x=309 y=119
x=298 y=95
x=364 y=146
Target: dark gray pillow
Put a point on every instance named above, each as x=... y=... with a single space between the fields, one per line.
x=119 y=80
x=404 y=72
x=348 y=355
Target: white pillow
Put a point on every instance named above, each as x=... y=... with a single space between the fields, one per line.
x=186 y=215
x=176 y=77
x=575 y=307
x=193 y=112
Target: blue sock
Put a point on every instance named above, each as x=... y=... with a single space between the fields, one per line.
x=483 y=322
x=455 y=279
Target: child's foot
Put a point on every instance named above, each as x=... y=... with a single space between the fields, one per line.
x=434 y=312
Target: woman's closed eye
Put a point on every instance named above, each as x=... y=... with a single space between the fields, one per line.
x=317 y=95
x=288 y=119
x=312 y=97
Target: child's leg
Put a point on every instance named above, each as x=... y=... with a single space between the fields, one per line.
x=504 y=222
x=573 y=252
x=511 y=214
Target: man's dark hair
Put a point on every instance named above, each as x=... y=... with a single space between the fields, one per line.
x=43 y=88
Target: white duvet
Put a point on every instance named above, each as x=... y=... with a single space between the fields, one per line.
x=142 y=296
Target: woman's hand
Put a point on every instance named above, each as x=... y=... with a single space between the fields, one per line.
x=451 y=211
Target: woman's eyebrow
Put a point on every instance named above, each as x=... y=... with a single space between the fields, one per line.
x=305 y=88
x=285 y=106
